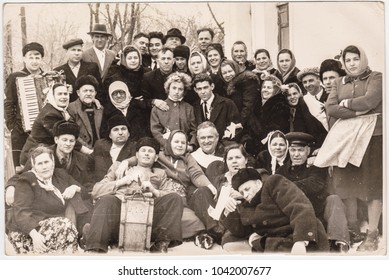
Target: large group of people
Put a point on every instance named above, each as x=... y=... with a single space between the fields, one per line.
x=293 y=156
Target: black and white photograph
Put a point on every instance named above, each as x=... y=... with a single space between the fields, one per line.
x=155 y=129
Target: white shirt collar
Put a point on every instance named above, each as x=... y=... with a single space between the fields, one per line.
x=209 y=101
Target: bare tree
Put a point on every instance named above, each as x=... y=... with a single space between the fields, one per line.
x=220 y=25
x=94 y=13
x=23 y=25
x=7 y=50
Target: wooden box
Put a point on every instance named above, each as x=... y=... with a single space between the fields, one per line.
x=136 y=221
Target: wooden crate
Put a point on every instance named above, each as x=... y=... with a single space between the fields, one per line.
x=136 y=221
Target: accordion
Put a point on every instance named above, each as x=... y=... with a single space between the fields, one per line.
x=32 y=92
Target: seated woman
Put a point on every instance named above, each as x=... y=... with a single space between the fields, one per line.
x=180 y=114
x=37 y=221
x=300 y=119
x=275 y=155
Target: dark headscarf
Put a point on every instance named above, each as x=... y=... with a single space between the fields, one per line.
x=127 y=50
x=235 y=66
x=168 y=147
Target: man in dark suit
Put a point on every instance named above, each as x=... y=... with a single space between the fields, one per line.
x=98 y=53
x=75 y=67
x=117 y=148
x=141 y=41
x=216 y=109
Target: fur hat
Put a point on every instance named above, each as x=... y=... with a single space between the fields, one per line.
x=331 y=65
x=308 y=71
x=174 y=32
x=244 y=175
x=66 y=127
x=118 y=119
x=72 y=42
x=148 y=141
x=86 y=80
x=33 y=46
x=181 y=51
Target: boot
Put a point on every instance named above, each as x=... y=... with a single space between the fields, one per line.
x=370 y=243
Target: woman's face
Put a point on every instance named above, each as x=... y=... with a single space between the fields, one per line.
x=132 y=60
x=176 y=91
x=235 y=160
x=119 y=96
x=214 y=58
x=178 y=144
x=227 y=72
x=267 y=90
x=352 y=61
x=285 y=61
x=44 y=166
x=239 y=53
x=293 y=96
x=61 y=96
x=180 y=62
x=278 y=147
x=262 y=61
x=196 y=64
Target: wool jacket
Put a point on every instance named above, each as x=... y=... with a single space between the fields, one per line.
x=153 y=86
x=89 y=55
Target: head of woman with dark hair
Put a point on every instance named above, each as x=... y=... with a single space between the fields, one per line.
x=197 y=63
x=228 y=70
x=235 y=158
x=131 y=58
x=176 y=85
x=271 y=86
x=214 y=55
x=262 y=60
x=355 y=61
x=293 y=94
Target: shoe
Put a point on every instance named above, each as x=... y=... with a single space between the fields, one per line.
x=204 y=240
x=356 y=236
x=160 y=246
x=338 y=247
x=370 y=243
x=85 y=233
x=216 y=233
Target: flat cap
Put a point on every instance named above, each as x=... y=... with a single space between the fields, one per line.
x=72 y=42
x=308 y=71
x=33 y=46
x=244 y=175
x=66 y=127
x=299 y=139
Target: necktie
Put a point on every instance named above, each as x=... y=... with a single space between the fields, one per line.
x=155 y=65
x=205 y=110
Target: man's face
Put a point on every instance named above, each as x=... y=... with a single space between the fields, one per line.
x=311 y=83
x=204 y=90
x=146 y=156
x=87 y=94
x=173 y=42
x=298 y=154
x=165 y=61
x=208 y=139
x=99 y=41
x=65 y=143
x=249 y=189
x=32 y=60
x=204 y=39
x=142 y=44
x=239 y=53
x=74 y=54
x=196 y=65
x=155 y=46
x=328 y=78
x=119 y=134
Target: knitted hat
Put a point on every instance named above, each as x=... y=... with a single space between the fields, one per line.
x=86 y=80
x=33 y=46
x=72 y=42
x=66 y=127
x=299 y=139
x=244 y=175
x=331 y=65
x=174 y=32
x=116 y=120
x=308 y=71
x=148 y=141
x=181 y=51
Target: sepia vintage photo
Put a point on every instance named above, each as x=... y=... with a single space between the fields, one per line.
x=194 y=128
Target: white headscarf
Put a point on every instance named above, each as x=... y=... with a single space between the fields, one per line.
x=274 y=159
x=119 y=85
x=50 y=99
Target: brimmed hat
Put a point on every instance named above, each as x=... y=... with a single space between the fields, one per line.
x=66 y=127
x=308 y=71
x=86 y=80
x=148 y=141
x=181 y=51
x=299 y=139
x=331 y=65
x=33 y=46
x=116 y=120
x=244 y=175
x=72 y=42
x=99 y=29
x=174 y=32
